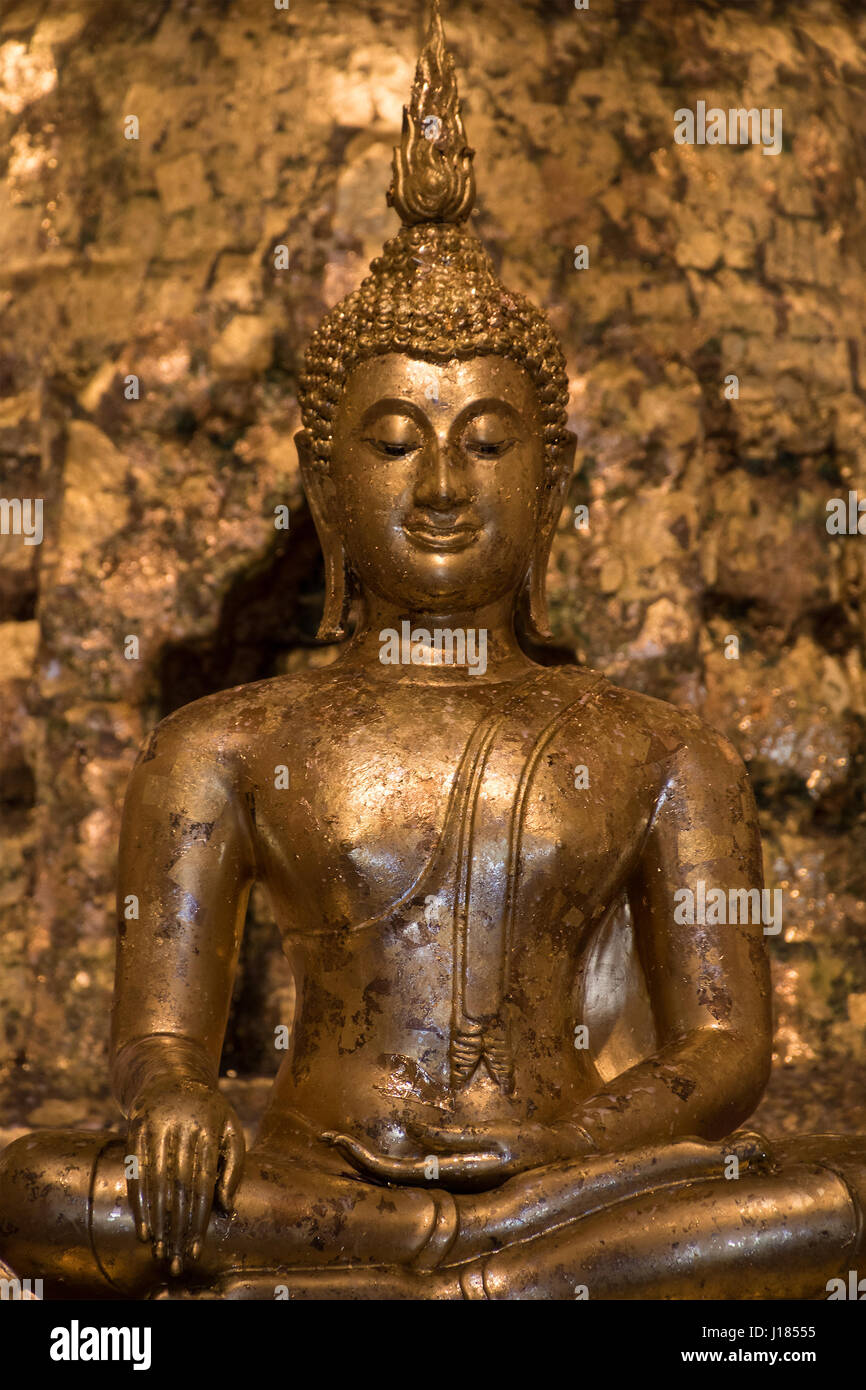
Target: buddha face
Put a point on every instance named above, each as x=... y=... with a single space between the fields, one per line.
x=437 y=479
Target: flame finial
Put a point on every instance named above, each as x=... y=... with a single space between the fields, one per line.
x=433 y=176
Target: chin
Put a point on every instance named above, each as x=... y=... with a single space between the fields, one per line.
x=448 y=591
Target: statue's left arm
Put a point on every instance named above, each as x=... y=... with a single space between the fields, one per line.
x=708 y=980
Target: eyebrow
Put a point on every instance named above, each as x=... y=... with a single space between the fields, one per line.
x=398 y=405
x=488 y=405
x=393 y=405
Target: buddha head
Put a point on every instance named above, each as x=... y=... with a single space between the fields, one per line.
x=435 y=452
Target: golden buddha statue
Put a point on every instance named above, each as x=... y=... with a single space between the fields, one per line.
x=460 y=910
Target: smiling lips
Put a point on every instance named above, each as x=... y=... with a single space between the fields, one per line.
x=442 y=538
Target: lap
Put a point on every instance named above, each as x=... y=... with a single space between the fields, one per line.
x=630 y=1222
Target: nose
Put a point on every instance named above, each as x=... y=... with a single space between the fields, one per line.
x=442 y=484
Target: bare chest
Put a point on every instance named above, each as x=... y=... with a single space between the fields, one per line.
x=450 y=803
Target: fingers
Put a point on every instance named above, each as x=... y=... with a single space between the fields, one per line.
x=470 y=1167
x=157 y=1178
x=232 y=1151
x=204 y=1183
x=180 y=1200
x=443 y=1139
x=377 y=1165
x=181 y=1152
x=456 y=1168
x=173 y=1196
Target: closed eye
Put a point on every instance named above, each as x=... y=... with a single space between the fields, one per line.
x=391 y=450
x=487 y=450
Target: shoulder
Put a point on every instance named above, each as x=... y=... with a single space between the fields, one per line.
x=227 y=727
x=675 y=738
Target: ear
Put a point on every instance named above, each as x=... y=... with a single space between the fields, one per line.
x=534 y=595
x=562 y=474
x=334 y=624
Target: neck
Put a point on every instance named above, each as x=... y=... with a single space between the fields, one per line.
x=437 y=646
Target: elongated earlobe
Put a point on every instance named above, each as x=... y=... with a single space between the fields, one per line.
x=335 y=618
x=533 y=598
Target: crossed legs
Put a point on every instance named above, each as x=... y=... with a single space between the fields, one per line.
x=625 y=1226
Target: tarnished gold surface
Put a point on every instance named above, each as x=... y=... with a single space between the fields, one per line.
x=433 y=177
x=705 y=517
x=443 y=883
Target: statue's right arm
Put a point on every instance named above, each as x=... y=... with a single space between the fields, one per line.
x=186 y=866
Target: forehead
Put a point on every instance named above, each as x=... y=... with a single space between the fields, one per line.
x=457 y=383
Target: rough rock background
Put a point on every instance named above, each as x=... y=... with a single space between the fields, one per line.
x=706 y=516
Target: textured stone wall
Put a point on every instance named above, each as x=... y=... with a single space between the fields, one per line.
x=706 y=516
